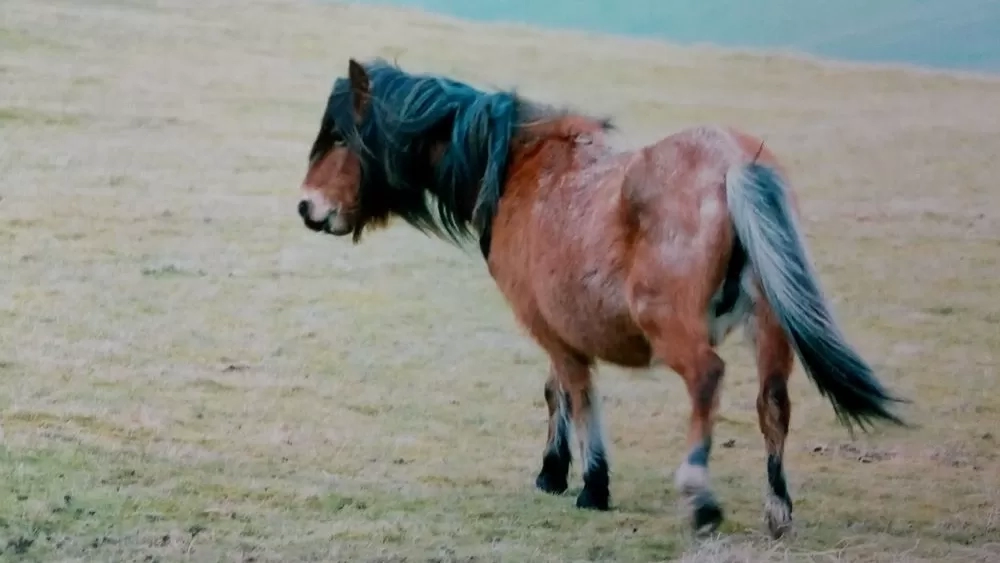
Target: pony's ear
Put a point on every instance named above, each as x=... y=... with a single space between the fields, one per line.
x=360 y=89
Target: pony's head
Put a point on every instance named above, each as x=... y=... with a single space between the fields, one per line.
x=427 y=149
x=331 y=196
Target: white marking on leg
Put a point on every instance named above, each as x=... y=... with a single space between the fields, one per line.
x=691 y=479
x=562 y=427
x=777 y=513
x=592 y=448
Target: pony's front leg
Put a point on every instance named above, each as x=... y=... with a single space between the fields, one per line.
x=553 y=478
x=574 y=376
x=570 y=394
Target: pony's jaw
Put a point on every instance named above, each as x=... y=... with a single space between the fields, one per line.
x=336 y=225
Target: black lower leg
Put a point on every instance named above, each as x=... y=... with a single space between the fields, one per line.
x=699 y=454
x=553 y=478
x=596 y=481
x=776 y=479
x=596 y=492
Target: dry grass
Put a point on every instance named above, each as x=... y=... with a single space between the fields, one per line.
x=188 y=374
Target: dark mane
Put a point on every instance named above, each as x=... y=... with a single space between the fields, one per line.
x=434 y=151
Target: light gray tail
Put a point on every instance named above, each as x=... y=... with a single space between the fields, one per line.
x=767 y=228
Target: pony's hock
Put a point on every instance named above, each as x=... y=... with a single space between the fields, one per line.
x=628 y=257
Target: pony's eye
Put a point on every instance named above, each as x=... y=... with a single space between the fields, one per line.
x=337 y=140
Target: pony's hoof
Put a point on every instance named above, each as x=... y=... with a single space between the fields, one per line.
x=551 y=484
x=778 y=515
x=593 y=500
x=706 y=516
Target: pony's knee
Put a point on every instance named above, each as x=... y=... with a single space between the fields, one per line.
x=550 y=392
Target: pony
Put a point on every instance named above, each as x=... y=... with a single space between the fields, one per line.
x=649 y=256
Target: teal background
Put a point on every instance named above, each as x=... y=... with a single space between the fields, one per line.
x=955 y=34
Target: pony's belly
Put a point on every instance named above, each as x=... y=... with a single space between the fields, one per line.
x=631 y=351
x=600 y=329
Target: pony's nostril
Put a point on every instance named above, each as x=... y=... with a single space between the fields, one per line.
x=304 y=209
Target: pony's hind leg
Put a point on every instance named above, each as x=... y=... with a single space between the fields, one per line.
x=557 y=457
x=702 y=372
x=679 y=335
x=774 y=365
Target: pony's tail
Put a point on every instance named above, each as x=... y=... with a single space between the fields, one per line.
x=767 y=227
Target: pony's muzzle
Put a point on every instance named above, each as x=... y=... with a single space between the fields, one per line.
x=333 y=223
x=305 y=211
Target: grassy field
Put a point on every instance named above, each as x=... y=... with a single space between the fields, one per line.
x=187 y=374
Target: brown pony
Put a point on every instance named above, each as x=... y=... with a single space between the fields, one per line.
x=651 y=255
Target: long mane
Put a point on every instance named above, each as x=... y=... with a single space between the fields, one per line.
x=427 y=135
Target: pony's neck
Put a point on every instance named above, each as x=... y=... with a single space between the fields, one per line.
x=569 y=130
x=570 y=127
x=463 y=201
x=459 y=203
x=556 y=143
